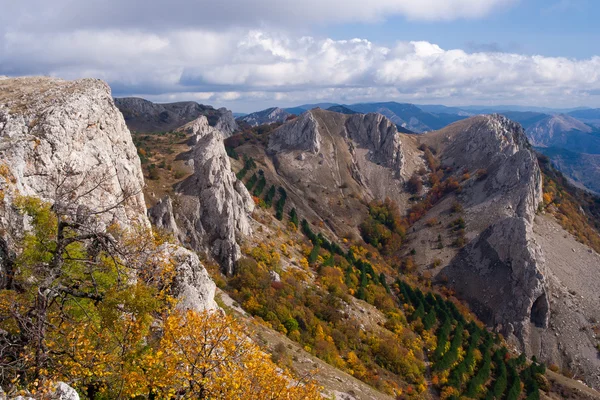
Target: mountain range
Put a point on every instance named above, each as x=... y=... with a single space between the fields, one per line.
x=567 y=136
x=369 y=263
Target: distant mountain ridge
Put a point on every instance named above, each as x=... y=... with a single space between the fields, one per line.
x=268 y=116
x=145 y=116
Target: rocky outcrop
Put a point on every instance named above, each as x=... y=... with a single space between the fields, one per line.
x=61 y=391
x=501 y=271
x=212 y=205
x=66 y=143
x=301 y=134
x=144 y=116
x=268 y=116
x=226 y=122
x=193 y=286
x=163 y=217
x=380 y=136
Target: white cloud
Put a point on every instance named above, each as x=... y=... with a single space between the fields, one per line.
x=154 y=15
x=252 y=68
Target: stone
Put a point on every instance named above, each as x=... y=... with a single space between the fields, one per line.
x=299 y=134
x=378 y=134
x=193 y=286
x=213 y=207
x=51 y=129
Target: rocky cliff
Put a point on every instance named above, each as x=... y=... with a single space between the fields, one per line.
x=212 y=207
x=301 y=134
x=501 y=270
x=66 y=143
x=378 y=134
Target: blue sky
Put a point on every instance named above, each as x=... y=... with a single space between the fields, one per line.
x=249 y=55
x=567 y=28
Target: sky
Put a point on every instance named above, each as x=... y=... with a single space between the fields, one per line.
x=249 y=55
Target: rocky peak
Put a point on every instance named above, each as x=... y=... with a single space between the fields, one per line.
x=50 y=128
x=212 y=207
x=380 y=136
x=67 y=143
x=502 y=270
x=226 y=122
x=198 y=128
x=300 y=134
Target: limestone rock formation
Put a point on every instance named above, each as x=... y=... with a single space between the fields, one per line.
x=61 y=139
x=380 y=136
x=300 y=134
x=212 y=205
x=67 y=143
x=226 y=122
x=193 y=286
x=163 y=217
x=501 y=270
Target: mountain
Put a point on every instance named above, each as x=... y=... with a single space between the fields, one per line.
x=563 y=131
x=144 y=116
x=341 y=109
x=367 y=262
x=408 y=116
x=305 y=107
x=326 y=161
x=581 y=168
x=589 y=116
x=268 y=116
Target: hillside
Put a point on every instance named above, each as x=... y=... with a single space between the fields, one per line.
x=335 y=171
x=144 y=116
x=374 y=263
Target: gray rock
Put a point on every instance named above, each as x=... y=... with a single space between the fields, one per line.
x=162 y=217
x=193 y=286
x=213 y=207
x=226 y=122
x=49 y=127
x=63 y=391
x=378 y=134
x=300 y=134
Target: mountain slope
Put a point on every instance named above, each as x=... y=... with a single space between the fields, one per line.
x=472 y=227
x=144 y=116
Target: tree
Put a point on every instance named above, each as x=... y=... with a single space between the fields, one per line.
x=207 y=356
x=93 y=307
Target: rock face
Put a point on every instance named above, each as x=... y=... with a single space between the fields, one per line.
x=53 y=130
x=301 y=134
x=66 y=143
x=226 y=122
x=212 y=205
x=501 y=271
x=378 y=134
x=193 y=285
x=144 y=116
x=268 y=116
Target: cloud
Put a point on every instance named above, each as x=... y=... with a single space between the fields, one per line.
x=154 y=15
x=250 y=68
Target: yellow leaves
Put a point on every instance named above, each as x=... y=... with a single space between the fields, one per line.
x=212 y=358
